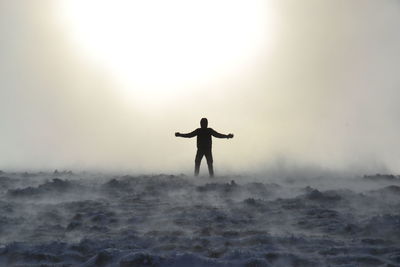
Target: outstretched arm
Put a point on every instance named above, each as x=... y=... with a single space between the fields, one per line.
x=219 y=135
x=187 y=135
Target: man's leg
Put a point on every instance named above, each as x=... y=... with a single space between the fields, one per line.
x=209 y=158
x=197 y=161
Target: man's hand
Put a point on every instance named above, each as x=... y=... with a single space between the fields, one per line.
x=230 y=136
x=177 y=134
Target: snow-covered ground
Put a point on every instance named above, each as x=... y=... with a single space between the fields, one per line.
x=87 y=219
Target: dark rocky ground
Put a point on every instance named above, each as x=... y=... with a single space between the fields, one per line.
x=67 y=219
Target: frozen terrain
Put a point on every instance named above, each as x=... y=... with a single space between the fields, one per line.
x=87 y=219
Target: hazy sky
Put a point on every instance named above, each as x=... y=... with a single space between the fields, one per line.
x=312 y=82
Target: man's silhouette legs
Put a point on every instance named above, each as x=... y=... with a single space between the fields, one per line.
x=197 y=161
x=209 y=159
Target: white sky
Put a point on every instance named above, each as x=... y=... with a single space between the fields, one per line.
x=323 y=90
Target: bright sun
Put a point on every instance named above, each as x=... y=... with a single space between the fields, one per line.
x=160 y=46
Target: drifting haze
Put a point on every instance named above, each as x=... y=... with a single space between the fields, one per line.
x=325 y=93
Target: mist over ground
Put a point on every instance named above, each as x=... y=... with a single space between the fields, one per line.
x=91 y=219
x=323 y=93
x=91 y=173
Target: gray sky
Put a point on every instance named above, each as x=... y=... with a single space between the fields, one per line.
x=324 y=92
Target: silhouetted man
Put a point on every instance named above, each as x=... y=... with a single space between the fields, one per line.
x=204 y=144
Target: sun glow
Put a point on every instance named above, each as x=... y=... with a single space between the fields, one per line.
x=159 y=46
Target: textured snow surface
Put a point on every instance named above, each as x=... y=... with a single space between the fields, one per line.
x=66 y=219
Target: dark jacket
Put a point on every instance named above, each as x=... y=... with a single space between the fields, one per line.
x=204 y=141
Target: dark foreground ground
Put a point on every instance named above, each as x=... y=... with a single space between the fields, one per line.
x=65 y=219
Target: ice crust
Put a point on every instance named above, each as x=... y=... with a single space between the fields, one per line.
x=85 y=219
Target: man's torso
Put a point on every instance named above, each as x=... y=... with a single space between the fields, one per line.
x=204 y=138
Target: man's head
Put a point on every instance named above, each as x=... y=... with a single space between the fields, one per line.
x=204 y=123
